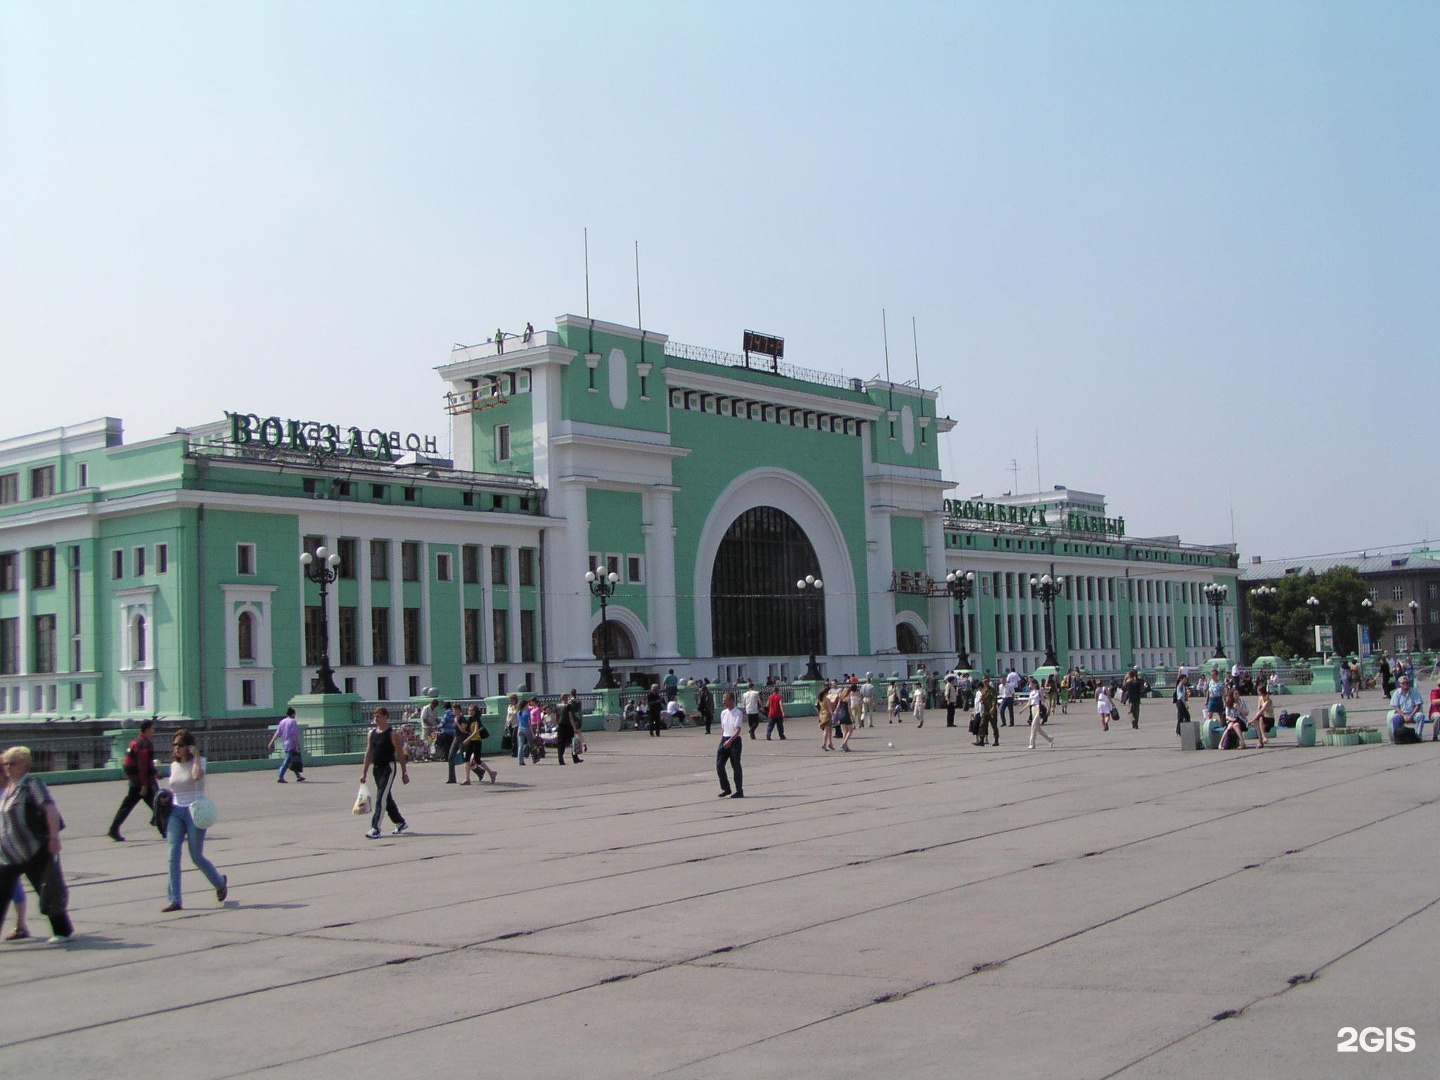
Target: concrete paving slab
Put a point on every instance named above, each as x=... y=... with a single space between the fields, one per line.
x=922 y=909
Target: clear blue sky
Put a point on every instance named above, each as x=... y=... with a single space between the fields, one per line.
x=1197 y=245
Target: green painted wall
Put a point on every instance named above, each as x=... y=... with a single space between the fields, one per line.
x=615 y=519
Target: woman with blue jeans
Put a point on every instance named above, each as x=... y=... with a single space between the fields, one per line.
x=187 y=783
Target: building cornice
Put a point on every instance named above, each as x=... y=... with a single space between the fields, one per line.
x=684 y=378
x=479 y=361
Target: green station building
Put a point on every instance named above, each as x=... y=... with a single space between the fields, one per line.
x=164 y=576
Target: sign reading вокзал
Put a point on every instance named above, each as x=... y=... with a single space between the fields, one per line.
x=314 y=437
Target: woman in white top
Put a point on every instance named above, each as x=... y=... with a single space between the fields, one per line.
x=187 y=783
x=1038 y=714
x=1103 y=705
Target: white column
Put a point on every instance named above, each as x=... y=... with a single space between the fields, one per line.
x=425 y=556
x=570 y=607
x=659 y=512
x=881 y=562
x=940 y=614
x=397 y=609
x=366 y=652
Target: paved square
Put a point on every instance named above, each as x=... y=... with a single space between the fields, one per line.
x=926 y=910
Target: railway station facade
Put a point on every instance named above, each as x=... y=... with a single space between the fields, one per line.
x=164 y=576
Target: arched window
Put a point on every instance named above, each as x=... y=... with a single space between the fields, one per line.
x=755 y=609
x=906 y=639
x=621 y=647
x=137 y=641
x=245 y=636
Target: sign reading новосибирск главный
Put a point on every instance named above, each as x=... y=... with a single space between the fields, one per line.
x=1033 y=517
x=311 y=436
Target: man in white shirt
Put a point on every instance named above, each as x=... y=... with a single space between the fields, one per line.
x=867 y=702
x=751 y=700
x=952 y=697
x=732 y=722
x=1007 y=696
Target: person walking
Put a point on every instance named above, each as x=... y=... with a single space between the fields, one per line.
x=445 y=739
x=751 y=701
x=472 y=749
x=705 y=705
x=952 y=698
x=653 y=707
x=1038 y=714
x=139 y=767
x=524 y=729
x=187 y=785
x=577 y=722
x=825 y=712
x=1182 y=695
x=30 y=844
x=564 y=729
x=287 y=734
x=384 y=750
x=867 y=702
x=732 y=721
x=1133 y=690
x=844 y=716
x=1103 y=705
x=917 y=702
x=1008 y=686
x=775 y=713
x=989 y=711
x=1052 y=695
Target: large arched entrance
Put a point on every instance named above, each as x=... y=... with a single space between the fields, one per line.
x=755 y=608
x=622 y=646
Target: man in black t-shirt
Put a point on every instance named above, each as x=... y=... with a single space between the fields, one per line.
x=383 y=750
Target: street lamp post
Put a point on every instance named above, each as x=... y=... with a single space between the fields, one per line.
x=323 y=568
x=810 y=585
x=602 y=587
x=1263 y=594
x=1047 y=588
x=1313 y=603
x=960 y=584
x=1215 y=595
x=1414 y=606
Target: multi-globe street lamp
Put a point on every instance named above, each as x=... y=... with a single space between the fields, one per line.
x=1215 y=595
x=1262 y=595
x=602 y=587
x=323 y=568
x=1047 y=588
x=960 y=584
x=1313 y=603
x=810 y=586
x=1414 y=606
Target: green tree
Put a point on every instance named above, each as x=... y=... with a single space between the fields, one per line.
x=1284 y=623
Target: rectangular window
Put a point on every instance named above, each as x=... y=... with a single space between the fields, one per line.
x=527 y=566
x=9 y=571
x=245 y=558
x=527 y=636
x=379 y=560
x=442 y=566
x=470 y=563
x=500 y=631
x=409 y=560
x=349 y=549
x=349 y=636
x=412 y=635
x=1397 y=592
x=502 y=442
x=408 y=494
x=162 y=558
x=44 y=659
x=42 y=568
x=596 y=562
x=499 y=563
x=1402 y=643
x=350 y=685
x=382 y=688
x=1399 y=620
x=414 y=684
x=82 y=475
x=612 y=565
x=117 y=565
x=472 y=637
x=312 y=544
x=314 y=639
x=42 y=482
x=9 y=646
x=377 y=491
x=9 y=488
x=380 y=635
x=138 y=558
x=634 y=570
x=247 y=691
x=1434 y=590
x=467 y=498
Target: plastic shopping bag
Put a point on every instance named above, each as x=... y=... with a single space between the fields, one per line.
x=362 y=802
